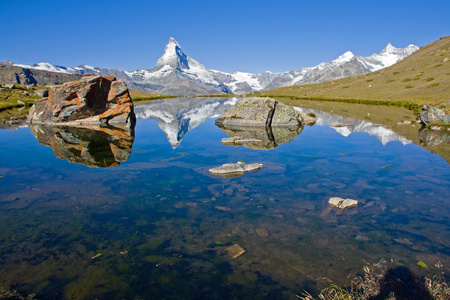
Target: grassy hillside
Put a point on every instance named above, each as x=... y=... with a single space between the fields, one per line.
x=17 y=97
x=144 y=97
x=423 y=77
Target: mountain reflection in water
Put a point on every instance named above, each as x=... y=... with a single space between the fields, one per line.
x=177 y=116
x=346 y=126
x=93 y=146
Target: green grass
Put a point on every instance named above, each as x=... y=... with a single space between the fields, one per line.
x=9 y=98
x=139 y=97
x=433 y=85
x=405 y=104
x=146 y=99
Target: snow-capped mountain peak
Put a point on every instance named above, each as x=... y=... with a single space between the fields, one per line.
x=173 y=56
x=7 y=62
x=387 y=57
x=346 y=57
x=45 y=66
x=389 y=49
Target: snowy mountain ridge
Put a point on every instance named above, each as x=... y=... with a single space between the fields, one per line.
x=178 y=74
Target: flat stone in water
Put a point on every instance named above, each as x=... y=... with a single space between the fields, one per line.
x=262 y=232
x=235 y=251
x=235 y=169
x=404 y=241
x=223 y=208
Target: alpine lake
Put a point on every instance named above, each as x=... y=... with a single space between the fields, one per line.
x=117 y=213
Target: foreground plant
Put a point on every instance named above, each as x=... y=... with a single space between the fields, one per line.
x=382 y=282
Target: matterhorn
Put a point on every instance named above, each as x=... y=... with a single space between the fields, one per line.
x=177 y=74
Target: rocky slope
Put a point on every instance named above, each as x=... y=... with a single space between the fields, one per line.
x=23 y=75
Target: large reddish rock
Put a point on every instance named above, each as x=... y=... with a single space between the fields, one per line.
x=90 y=100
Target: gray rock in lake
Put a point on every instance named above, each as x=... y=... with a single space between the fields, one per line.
x=261 y=112
x=430 y=114
x=234 y=169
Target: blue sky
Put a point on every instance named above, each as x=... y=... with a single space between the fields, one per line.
x=250 y=36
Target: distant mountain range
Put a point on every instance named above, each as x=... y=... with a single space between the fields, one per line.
x=345 y=65
x=178 y=74
x=421 y=78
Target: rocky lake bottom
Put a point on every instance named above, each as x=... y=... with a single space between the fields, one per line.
x=113 y=213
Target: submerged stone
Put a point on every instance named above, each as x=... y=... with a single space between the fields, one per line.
x=223 y=208
x=235 y=251
x=262 y=232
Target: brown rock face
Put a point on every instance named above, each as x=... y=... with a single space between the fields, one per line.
x=90 y=100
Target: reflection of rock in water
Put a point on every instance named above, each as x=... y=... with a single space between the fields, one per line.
x=91 y=146
x=259 y=138
x=428 y=138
